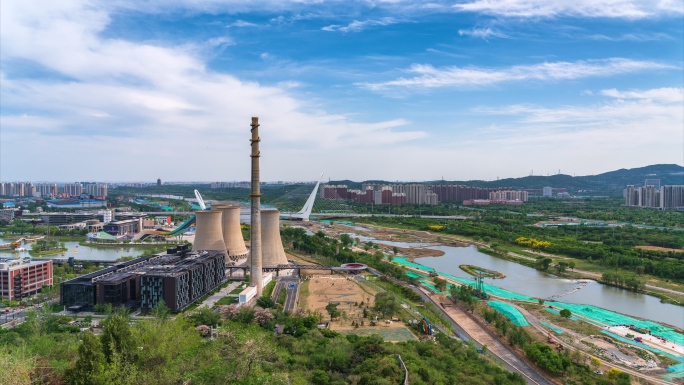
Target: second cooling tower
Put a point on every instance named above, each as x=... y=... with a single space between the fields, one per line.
x=232 y=233
x=272 y=246
x=209 y=234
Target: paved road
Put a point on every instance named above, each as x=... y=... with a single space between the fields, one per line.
x=464 y=325
x=291 y=287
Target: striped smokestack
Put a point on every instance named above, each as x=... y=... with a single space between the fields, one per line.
x=255 y=217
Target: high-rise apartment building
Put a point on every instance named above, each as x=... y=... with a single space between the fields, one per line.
x=73 y=189
x=96 y=189
x=664 y=198
x=47 y=189
x=652 y=182
x=671 y=197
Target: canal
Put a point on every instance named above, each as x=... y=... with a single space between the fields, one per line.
x=79 y=252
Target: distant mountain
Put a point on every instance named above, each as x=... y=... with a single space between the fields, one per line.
x=611 y=182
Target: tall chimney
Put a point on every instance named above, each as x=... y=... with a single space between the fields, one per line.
x=255 y=217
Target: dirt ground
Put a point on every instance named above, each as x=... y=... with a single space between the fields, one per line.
x=324 y=289
x=658 y=248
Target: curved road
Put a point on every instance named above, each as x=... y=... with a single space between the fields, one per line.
x=464 y=325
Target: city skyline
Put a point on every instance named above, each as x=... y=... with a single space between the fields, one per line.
x=129 y=91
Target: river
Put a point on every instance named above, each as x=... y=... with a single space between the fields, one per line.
x=526 y=280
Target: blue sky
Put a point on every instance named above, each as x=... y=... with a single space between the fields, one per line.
x=398 y=90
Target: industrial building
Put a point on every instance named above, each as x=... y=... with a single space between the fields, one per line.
x=232 y=232
x=179 y=277
x=20 y=278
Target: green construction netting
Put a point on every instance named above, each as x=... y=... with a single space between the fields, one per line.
x=551 y=327
x=411 y=274
x=594 y=313
x=654 y=350
x=608 y=317
x=404 y=261
x=510 y=312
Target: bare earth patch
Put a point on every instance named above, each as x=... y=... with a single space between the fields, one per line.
x=658 y=248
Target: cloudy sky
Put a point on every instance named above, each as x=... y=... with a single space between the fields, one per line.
x=131 y=90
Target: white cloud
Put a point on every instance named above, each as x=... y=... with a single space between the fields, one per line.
x=357 y=26
x=668 y=95
x=221 y=41
x=482 y=33
x=431 y=77
x=124 y=104
x=629 y=9
x=242 y=23
x=631 y=37
x=619 y=133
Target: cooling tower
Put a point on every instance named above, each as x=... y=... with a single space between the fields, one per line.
x=209 y=234
x=272 y=246
x=232 y=234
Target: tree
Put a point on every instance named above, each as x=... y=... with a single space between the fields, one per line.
x=116 y=338
x=440 y=284
x=331 y=308
x=395 y=250
x=161 y=311
x=346 y=239
x=90 y=364
x=566 y=313
x=561 y=266
x=595 y=363
x=386 y=303
x=265 y=302
x=544 y=263
x=613 y=373
x=571 y=265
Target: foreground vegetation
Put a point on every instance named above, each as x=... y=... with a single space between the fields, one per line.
x=244 y=350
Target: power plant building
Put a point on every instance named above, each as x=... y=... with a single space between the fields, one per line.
x=232 y=232
x=273 y=253
x=209 y=233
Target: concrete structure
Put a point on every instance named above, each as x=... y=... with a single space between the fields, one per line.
x=209 y=233
x=255 y=213
x=267 y=278
x=232 y=233
x=20 y=278
x=547 y=192
x=247 y=294
x=273 y=252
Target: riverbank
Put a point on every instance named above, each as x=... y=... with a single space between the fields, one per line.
x=667 y=291
x=46 y=253
x=143 y=245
